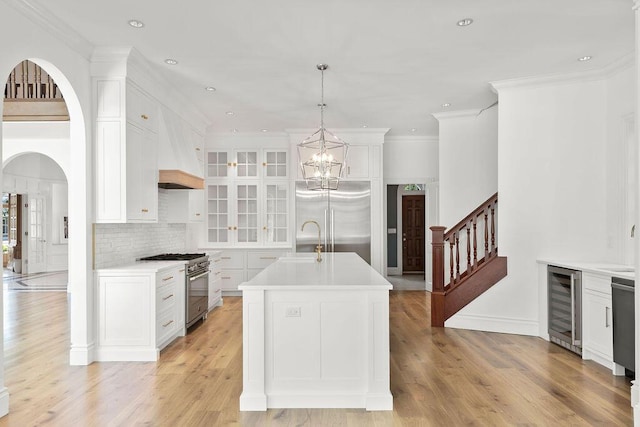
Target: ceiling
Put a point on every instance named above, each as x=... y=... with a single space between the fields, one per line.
x=391 y=63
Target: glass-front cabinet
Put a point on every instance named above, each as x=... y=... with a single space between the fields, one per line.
x=248 y=198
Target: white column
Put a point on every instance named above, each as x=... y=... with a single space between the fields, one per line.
x=635 y=387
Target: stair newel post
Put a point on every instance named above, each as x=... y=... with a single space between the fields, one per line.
x=437 y=276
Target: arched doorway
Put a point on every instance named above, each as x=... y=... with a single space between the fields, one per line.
x=76 y=168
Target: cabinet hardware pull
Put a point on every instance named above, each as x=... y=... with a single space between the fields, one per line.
x=218 y=260
x=167 y=278
x=144 y=116
x=229 y=164
x=229 y=227
x=167 y=324
x=197 y=148
x=264 y=164
x=226 y=257
x=197 y=214
x=218 y=272
x=167 y=297
x=226 y=277
x=264 y=228
x=235 y=228
x=349 y=170
x=268 y=257
x=145 y=210
x=181 y=271
x=606 y=317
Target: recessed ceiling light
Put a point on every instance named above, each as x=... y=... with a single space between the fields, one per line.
x=234 y=130
x=229 y=113
x=136 y=24
x=465 y=22
x=584 y=58
x=210 y=88
x=365 y=126
x=264 y=130
x=170 y=61
x=413 y=129
x=446 y=105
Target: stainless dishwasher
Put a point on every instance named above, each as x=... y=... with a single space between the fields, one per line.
x=622 y=294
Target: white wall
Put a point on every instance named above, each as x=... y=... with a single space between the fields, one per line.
x=552 y=193
x=65 y=58
x=468 y=161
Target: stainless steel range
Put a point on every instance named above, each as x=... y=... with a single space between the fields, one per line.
x=197 y=283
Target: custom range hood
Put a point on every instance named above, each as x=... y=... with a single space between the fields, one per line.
x=178 y=152
x=174 y=179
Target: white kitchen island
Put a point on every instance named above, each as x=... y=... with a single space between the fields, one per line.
x=316 y=335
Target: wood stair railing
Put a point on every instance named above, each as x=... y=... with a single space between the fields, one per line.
x=481 y=268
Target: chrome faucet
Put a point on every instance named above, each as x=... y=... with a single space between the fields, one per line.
x=319 y=247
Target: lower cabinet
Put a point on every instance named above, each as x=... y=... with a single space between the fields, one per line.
x=240 y=265
x=140 y=310
x=597 y=328
x=215 y=280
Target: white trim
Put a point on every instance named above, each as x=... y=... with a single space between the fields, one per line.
x=625 y=62
x=456 y=114
x=350 y=131
x=505 y=325
x=4 y=401
x=82 y=355
x=411 y=138
x=42 y=17
x=125 y=354
x=369 y=401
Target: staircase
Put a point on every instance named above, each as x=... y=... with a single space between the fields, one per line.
x=470 y=276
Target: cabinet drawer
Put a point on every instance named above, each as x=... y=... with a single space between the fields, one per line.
x=166 y=298
x=166 y=326
x=230 y=259
x=170 y=277
x=595 y=282
x=262 y=259
x=230 y=279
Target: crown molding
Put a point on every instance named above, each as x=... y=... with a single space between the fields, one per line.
x=615 y=67
x=429 y=139
x=346 y=131
x=43 y=18
x=456 y=114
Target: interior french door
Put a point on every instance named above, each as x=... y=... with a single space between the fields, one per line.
x=37 y=246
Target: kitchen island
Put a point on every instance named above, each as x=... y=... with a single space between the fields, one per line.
x=316 y=335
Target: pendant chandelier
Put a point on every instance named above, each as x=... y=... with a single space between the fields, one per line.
x=323 y=155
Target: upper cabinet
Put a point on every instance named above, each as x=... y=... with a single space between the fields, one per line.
x=247 y=163
x=126 y=152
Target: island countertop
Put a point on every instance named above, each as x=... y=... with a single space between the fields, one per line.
x=337 y=270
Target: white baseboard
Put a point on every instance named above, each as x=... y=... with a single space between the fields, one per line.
x=82 y=355
x=127 y=355
x=254 y=402
x=4 y=401
x=503 y=325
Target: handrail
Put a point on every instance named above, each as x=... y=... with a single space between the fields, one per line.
x=473 y=214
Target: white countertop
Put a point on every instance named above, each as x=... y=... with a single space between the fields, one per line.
x=339 y=270
x=603 y=269
x=141 y=267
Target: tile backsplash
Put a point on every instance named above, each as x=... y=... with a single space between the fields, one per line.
x=120 y=244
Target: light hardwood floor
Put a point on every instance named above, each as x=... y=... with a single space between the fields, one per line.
x=439 y=377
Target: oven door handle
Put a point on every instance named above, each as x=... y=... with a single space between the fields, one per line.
x=206 y=273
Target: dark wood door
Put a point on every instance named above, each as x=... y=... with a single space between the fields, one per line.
x=413 y=233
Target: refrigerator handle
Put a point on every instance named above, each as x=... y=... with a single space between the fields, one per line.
x=332 y=226
x=326 y=231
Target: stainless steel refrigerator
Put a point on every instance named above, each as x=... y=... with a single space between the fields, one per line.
x=344 y=216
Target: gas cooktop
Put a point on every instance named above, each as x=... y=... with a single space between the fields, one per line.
x=173 y=257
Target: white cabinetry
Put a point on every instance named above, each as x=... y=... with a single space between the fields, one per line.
x=597 y=319
x=357 y=162
x=215 y=280
x=185 y=206
x=247 y=200
x=239 y=265
x=126 y=152
x=140 y=310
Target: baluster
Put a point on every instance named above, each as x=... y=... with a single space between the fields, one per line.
x=475 y=243
x=12 y=85
x=451 y=243
x=25 y=80
x=36 y=84
x=493 y=231
x=486 y=233
x=457 y=255
x=468 y=247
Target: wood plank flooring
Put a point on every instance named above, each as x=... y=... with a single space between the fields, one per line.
x=439 y=377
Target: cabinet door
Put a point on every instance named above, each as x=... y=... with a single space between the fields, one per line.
x=275 y=164
x=246 y=213
x=358 y=162
x=218 y=227
x=196 y=205
x=218 y=163
x=598 y=332
x=246 y=164
x=135 y=183
x=276 y=213
x=148 y=163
